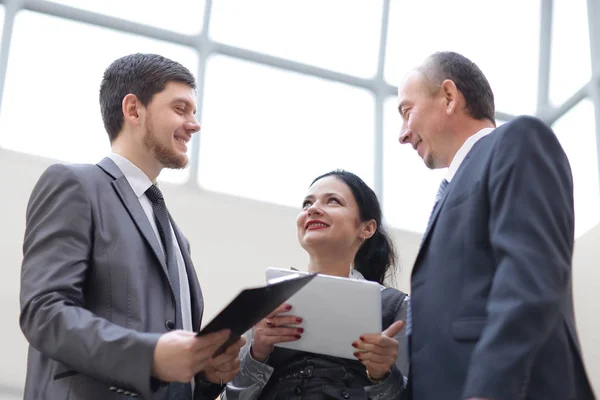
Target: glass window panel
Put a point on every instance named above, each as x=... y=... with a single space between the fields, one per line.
x=476 y=29
x=570 y=58
x=409 y=187
x=50 y=106
x=1 y=21
x=184 y=16
x=336 y=34
x=576 y=133
x=266 y=133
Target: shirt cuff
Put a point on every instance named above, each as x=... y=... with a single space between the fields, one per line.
x=255 y=370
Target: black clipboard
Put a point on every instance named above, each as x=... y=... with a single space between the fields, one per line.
x=252 y=305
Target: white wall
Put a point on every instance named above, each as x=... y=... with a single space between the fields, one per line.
x=233 y=240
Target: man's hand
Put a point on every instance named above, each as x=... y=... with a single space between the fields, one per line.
x=226 y=366
x=180 y=355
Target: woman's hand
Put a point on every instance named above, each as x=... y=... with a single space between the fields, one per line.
x=378 y=352
x=273 y=329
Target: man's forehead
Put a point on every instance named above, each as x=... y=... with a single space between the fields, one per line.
x=411 y=81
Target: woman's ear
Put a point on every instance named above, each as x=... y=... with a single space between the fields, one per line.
x=368 y=229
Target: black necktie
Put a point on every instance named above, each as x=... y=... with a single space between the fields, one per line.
x=177 y=391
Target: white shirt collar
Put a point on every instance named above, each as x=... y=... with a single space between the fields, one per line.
x=137 y=179
x=464 y=150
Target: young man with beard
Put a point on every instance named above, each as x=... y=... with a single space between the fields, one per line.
x=109 y=296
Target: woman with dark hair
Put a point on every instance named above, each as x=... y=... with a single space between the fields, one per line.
x=340 y=227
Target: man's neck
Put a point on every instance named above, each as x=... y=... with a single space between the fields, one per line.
x=467 y=130
x=139 y=157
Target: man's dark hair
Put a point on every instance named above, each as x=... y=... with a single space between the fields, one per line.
x=143 y=75
x=467 y=77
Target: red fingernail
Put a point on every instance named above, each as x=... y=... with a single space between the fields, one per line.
x=298 y=319
x=362 y=338
x=298 y=336
x=288 y=307
x=354 y=344
x=357 y=355
x=301 y=330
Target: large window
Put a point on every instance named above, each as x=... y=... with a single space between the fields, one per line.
x=339 y=35
x=50 y=104
x=184 y=16
x=1 y=22
x=577 y=135
x=266 y=133
x=409 y=187
x=570 y=67
x=508 y=57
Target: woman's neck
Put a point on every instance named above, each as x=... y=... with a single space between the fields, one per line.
x=336 y=266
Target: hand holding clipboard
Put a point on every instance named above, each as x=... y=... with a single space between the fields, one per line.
x=252 y=305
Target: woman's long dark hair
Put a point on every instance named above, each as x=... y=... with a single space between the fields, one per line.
x=376 y=257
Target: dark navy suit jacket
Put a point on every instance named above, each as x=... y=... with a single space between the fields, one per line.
x=492 y=309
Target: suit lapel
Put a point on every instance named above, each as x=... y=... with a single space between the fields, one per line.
x=195 y=290
x=133 y=206
x=439 y=207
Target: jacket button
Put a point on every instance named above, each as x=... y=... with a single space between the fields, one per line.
x=345 y=395
x=298 y=390
x=170 y=325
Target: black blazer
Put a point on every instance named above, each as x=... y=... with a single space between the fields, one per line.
x=492 y=308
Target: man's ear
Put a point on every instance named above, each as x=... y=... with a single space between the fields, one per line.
x=130 y=107
x=368 y=229
x=451 y=96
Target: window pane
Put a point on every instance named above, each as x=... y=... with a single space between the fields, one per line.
x=577 y=135
x=266 y=133
x=570 y=63
x=409 y=187
x=478 y=30
x=336 y=34
x=184 y=16
x=50 y=105
x=1 y=22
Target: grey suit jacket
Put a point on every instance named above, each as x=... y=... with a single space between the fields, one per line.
x=492 y=309
x=95 y=292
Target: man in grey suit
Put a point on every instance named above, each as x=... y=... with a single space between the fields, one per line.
x=110 y=299
x=491 y=302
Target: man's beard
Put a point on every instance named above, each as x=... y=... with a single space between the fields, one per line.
x=163 y=154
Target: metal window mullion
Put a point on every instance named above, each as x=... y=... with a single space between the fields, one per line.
x=594 y=86
x=381 y=90
x=545 y=54
x=109 y=22
x=10 y=12
x=204 y=48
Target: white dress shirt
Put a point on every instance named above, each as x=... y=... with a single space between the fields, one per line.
x=464 y=150
x=140 y=182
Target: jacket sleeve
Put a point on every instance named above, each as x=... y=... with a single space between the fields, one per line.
x=393 y=386
x=531 y=230
x=253 y=376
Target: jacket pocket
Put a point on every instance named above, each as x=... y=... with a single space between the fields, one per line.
x=468 y=328
x=62 y=371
